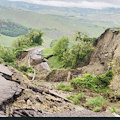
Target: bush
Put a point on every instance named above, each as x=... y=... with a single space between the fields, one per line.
x=96 y=83
x=7 y=55
x=33 y=38
x=104 y=80
x=65 y=87
x=25 y=70
x=76 y=98
x=96 y=103
x=60 y=47
x=74 y=52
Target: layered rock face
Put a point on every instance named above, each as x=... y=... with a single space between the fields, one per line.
x=106 y=56
x=9 y=89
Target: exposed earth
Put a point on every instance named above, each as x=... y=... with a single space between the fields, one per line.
x=21 y=97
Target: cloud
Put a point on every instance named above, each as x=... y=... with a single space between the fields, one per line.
x=94 y=4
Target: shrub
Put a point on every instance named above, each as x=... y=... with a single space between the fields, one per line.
x=65 y=87
x=96 y=102
x=113 y=110
x=25 y=70
x=96 y=83
x=104 y=80
x=76 y=98
x=7 y=55
x=85 y=82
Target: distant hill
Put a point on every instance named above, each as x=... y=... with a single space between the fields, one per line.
x=56 y=22
x=12 y=29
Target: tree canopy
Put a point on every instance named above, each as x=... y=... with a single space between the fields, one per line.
x=75 y=52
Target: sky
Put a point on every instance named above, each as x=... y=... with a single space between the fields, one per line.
x=93 y=4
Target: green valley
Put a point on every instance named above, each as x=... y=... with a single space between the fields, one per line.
x=56 y=23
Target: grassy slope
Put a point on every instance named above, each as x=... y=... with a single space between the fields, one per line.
x=55 y=26
x=6 y=41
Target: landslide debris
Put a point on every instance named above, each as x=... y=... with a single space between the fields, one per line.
x=39 y=101
x=105 y=57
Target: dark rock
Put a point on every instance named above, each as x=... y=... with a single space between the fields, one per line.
x=27 y=113
x=40 y=90
x=26 y=99
x=38 y=99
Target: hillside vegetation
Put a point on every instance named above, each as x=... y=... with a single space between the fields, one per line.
x=12 y=29
x=6 y=40
x=54 y=26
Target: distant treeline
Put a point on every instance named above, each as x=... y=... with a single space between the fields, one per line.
x=12 y=29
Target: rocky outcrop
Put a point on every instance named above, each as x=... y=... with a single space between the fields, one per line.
x=5 y=72
x=9 y=91
x=27 y=113
x=106 y=56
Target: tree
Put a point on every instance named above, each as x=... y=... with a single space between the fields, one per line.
x=74 y=53
x=36 y=36
x=60 y=47
x=33 y=37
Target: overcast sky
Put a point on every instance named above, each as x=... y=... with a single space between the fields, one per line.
x=94 y=4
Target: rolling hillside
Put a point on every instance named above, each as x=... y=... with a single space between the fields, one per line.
x=12 y=29
x=56 y=22
x=6 y=40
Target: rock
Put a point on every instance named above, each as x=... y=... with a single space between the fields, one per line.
x=6 y=72
x=27 y=113
x=29 y=103
x=38 y=99
x=2 y=114
x=30 y=76
x=8 y=90
x=36 y=89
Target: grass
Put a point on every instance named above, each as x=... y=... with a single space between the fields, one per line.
x=64 y=87
x=76 y=98
x=46 y=52
x=54 y=26
x=96 y=83
x=96 y=103
x=26 y=70
x=6 y=40
x=55 y=64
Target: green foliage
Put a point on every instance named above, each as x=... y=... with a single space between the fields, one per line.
x=52 y=43
x=12 y=29
x=7 y=55
x=113 y=110
x=96 y=102
x=33 y=38
x=55 y=63
x=65 y=87
x=1 y=60
x=46 y=52
x=96 y=83
x=13 y=64
x=6 y=40
x=26 y=70
x=60 y=47
x=73 y=53
x=104 y=80
x=76 y=98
